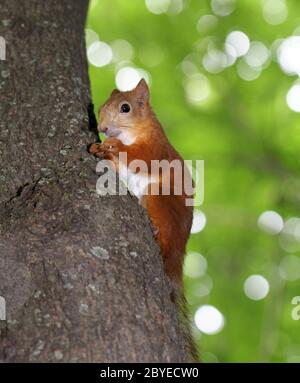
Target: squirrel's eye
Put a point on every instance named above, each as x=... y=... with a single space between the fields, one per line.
x=125 y=108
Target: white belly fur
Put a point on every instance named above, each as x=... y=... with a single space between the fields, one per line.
x=135 y=182
x=126 y=138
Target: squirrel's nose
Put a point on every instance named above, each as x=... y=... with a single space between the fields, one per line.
x=102 y=128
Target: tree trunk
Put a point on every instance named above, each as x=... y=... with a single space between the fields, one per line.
x=81 y=274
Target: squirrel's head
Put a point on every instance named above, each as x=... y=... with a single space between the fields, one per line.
x=124 y=111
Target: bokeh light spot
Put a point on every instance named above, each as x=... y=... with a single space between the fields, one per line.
x=203 y=287
x=99 y=54
x=289 y=239
x=239 y=41
x=197 y=89
x=209 y=319
x=231 y=55
x=195 y=265
x=293 y=98
x=207 y=23
x=274 y=11
x=292 y=228
x=288 y=55
x=256 y=287
x=122 y=50
x=128 y=77
x=158 y=6
x=270 y=222
x=199 y=221
x=176 y=7
x=189 y=68
x=223 y=7
x=247 y=72
x=90 y=37
x=258 y=54
x=214 y=61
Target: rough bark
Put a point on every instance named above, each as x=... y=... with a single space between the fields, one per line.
x=81 y=274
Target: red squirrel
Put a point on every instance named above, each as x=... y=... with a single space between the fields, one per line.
x=131 y=126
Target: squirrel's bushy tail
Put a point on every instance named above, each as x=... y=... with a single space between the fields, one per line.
x=185 y=324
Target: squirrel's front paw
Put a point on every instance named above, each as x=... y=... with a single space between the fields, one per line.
x=107 y=149
x=97 y=149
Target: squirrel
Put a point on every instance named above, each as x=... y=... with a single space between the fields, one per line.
x=131 y=127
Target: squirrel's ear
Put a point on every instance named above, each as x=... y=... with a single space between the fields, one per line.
x=114 y=92
x=142 y=90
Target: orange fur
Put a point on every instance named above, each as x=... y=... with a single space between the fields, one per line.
x=168 y=213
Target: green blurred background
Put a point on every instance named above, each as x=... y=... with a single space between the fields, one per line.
x=224 y=83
